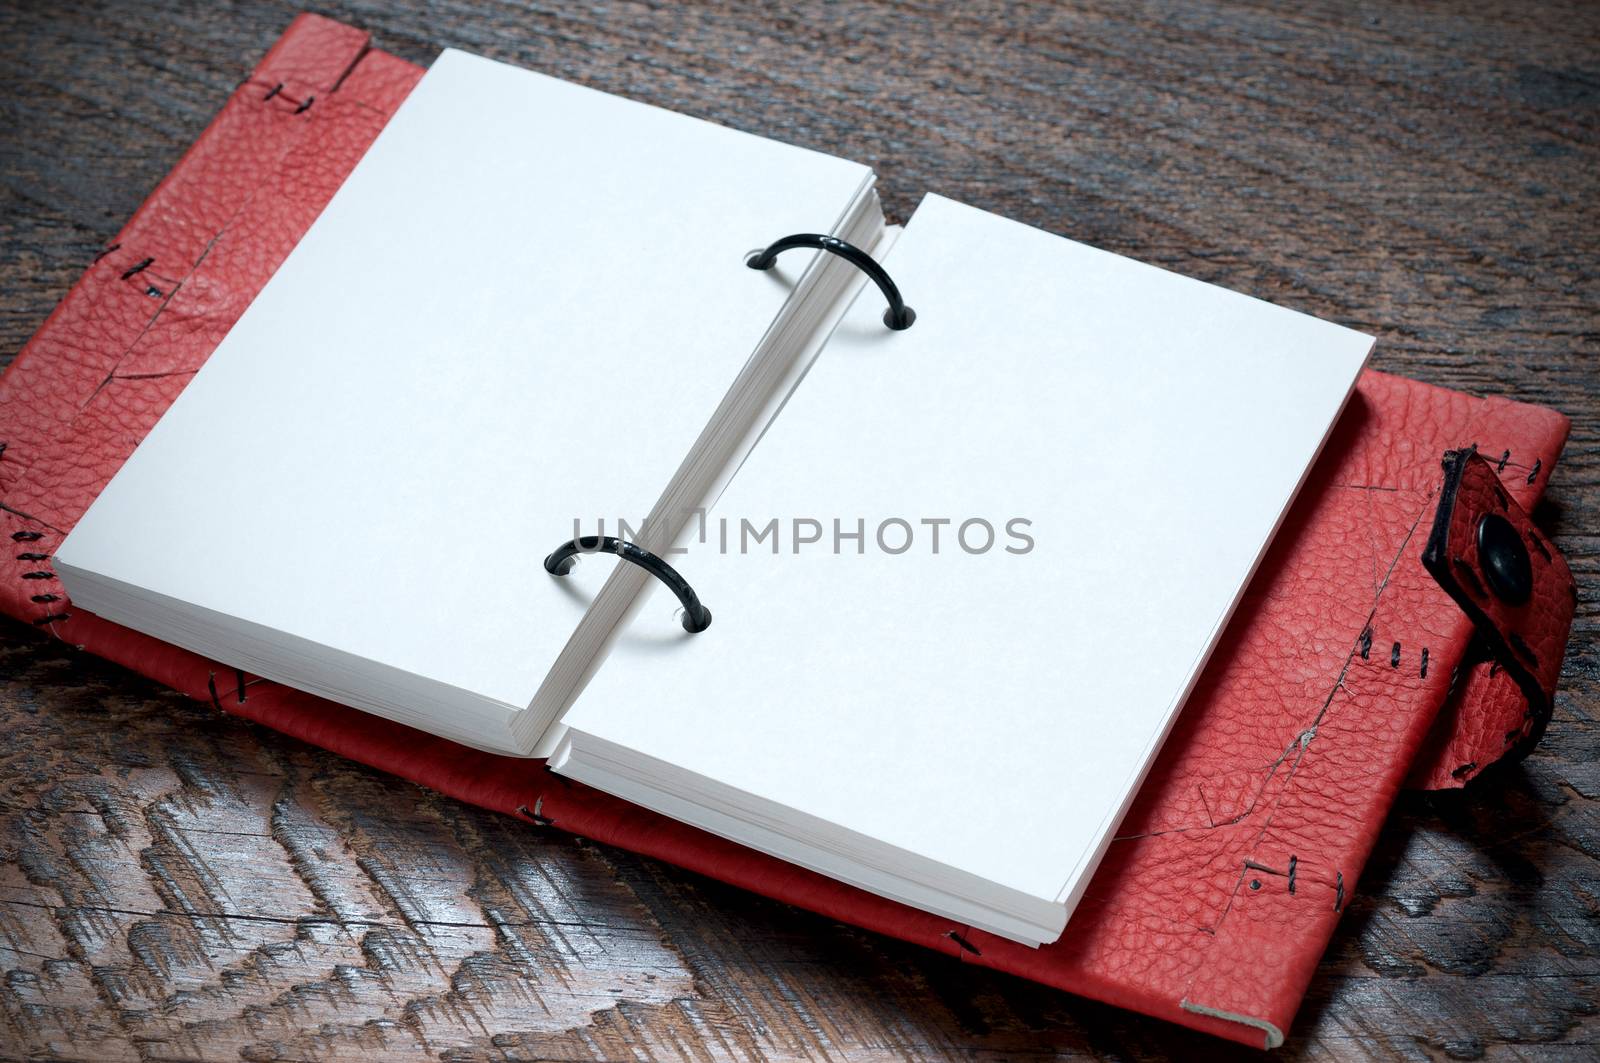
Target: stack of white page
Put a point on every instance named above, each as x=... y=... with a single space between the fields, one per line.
x=954 y=707
x=518 y=313
x=963 y=575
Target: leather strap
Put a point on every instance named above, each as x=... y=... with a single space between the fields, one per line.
x=1515 y=586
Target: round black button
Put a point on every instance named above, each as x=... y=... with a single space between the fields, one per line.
x=1504 y=559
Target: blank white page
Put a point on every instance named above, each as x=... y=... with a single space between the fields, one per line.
x=990 y=711
x=519 y=310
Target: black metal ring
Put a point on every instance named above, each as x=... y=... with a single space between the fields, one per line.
x=696 y=617
x=898 y=316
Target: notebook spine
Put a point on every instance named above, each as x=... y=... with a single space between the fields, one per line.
x=696 y=617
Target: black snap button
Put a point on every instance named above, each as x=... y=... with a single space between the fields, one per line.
x=1504 y=559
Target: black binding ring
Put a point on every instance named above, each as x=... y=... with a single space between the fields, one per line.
x=898 y=316
x=696 y=617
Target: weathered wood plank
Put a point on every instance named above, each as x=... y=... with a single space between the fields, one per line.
x=180 y=886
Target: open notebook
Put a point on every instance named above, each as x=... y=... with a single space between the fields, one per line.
x=990 y=550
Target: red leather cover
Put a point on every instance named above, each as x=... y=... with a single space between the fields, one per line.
x=1216 y=901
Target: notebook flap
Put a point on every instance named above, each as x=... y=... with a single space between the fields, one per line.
x=1515 y=586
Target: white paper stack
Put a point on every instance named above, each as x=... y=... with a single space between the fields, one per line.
x=518 y=313
x=960 y=726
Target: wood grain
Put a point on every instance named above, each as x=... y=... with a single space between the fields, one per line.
x=182 y=886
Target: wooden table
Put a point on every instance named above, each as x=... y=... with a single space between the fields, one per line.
x=178 y=885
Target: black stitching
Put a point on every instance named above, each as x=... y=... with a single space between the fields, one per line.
x=1464 y=769
x=273 y=91
x=1424 y=662
x=1523 y=648
x=1338 y=897
x=238 y=677
x=1366 y=643
x=963 y=942
x=1471 y=577
x=45 y=599
x=52 y=618
x=211 y=684
x=38 y=575
x=1394 y=656
x=302 y=108
x=104 y=251
x=1293 y=860
x=543 y=821
x=1538 y=463
x=26 y=536
x=1503 y=459
x=137 y=267
x=33 y=557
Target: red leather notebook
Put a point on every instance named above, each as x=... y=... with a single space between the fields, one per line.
x=1407 y=624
